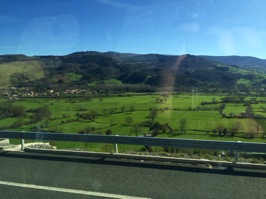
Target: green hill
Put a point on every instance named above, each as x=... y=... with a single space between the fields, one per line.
x=95 y=69
x=14 y=72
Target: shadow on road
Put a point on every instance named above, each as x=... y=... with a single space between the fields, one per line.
x=136 y=163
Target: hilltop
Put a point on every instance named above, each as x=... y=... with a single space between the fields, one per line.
x=248 y=62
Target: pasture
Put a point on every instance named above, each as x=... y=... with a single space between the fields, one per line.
x=102 y=115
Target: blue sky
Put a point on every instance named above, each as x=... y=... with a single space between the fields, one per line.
x=200 y=27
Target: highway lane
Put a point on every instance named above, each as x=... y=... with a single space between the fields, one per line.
x=123 y=178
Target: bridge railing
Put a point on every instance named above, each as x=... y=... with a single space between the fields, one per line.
x=235 y=146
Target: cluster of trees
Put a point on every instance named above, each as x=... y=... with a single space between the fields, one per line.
x=221 y=130
x=87 y=130
x=9 y=109
x=155 y=128
x=91 y=115
x=249 y=113
x=257 y=127
x=257 y=123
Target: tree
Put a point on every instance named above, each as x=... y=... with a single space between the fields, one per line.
x=158 y=100
x=153 y=114
x=131 y=109
x=93 y=114
x=249 y=113
x=214 y=101
x=41 y=113
x=122 y=108
x=166 y=128
x=136 y=128
x=259 y=122
x=18 y=110
x=5 y=109
x=221 y=109
x=155 y=128
x=108 y=132
x=183 y=125
x=220 y=129
x=234 y=128
x=225 y=131
x=88 y=129
x=128 y=120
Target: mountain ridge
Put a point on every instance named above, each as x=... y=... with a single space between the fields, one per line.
x=242 y=61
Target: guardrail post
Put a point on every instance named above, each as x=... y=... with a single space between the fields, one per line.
x=116 y=147
x=22 y=144
x=236 y=156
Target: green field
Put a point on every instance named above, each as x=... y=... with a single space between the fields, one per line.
x=110 y=113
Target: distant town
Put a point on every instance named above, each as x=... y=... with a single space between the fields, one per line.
x=15 y=93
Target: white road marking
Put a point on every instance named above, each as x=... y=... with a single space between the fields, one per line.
x=74 y=191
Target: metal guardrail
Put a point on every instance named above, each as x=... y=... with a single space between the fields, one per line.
x=146 y=141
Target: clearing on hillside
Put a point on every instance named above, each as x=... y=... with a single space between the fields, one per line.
x=20 y=71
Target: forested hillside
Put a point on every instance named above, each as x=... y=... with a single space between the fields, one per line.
x=94 y=69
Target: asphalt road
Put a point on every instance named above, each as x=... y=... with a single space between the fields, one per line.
x=29 y=175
